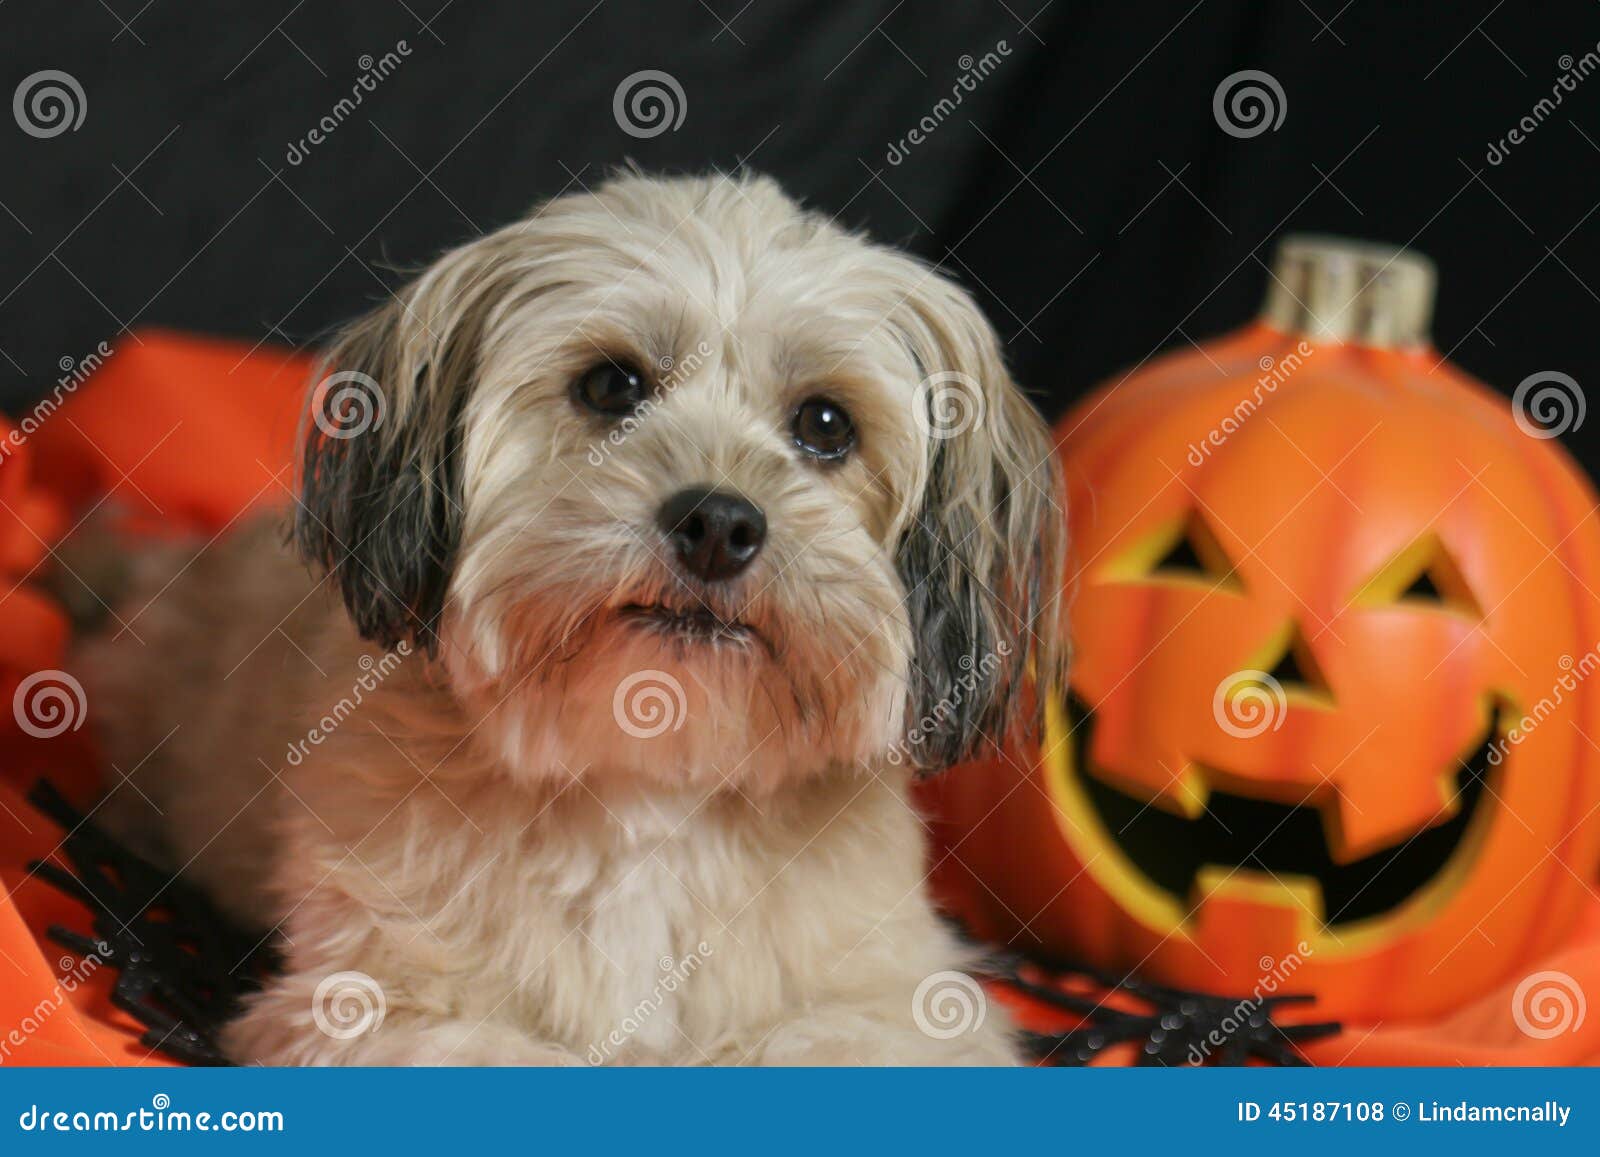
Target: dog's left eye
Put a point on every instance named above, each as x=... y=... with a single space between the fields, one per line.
x=823 y=429
x=611 y=388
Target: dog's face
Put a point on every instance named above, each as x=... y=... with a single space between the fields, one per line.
x=680 y=481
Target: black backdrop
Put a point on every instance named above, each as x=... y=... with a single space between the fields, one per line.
x=1083 y=187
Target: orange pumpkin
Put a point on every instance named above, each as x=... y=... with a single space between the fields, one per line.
x=1334 y=708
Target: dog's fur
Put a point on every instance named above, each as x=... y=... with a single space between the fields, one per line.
x=518 y=871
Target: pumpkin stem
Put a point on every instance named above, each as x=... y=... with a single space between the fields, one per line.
x=1335 y=289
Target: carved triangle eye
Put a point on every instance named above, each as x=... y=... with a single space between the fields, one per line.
x=1183 y=552
x=1425 y=574
x=1423 y=587
x=1182 y=557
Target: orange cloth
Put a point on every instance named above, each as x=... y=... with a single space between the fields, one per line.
x=191 y=433
x=183 y=432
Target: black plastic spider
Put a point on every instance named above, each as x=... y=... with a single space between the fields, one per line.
x=181 y=966
x=1180 y=1028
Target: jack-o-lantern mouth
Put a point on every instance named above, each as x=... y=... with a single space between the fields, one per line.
x=1237 y=832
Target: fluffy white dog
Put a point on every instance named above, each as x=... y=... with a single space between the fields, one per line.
x=658 y=539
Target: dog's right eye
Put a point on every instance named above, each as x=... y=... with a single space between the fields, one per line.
x=611 y=388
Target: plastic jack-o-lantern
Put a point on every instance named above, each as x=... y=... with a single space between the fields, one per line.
x=1334 y=706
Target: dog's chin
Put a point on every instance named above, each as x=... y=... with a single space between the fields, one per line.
x=677 y=694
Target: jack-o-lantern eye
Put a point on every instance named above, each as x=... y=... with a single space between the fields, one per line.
x=1186 y=552
x=1424 y=574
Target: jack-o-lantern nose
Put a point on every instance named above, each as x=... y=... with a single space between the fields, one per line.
x=1296 y=670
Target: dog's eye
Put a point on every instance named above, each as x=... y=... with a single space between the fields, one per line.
x=823 y=429
x=611 y=388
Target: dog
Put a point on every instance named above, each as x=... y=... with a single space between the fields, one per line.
x=656 y=541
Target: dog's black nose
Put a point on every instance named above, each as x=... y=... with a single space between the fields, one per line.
x=715 y=533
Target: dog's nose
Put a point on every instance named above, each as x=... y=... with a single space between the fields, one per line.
x=715 y=533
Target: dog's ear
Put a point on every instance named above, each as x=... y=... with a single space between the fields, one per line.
x=982 y=558
x=380 y=479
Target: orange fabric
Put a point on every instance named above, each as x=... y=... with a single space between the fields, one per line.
x=182 y=432
x=193 y=432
